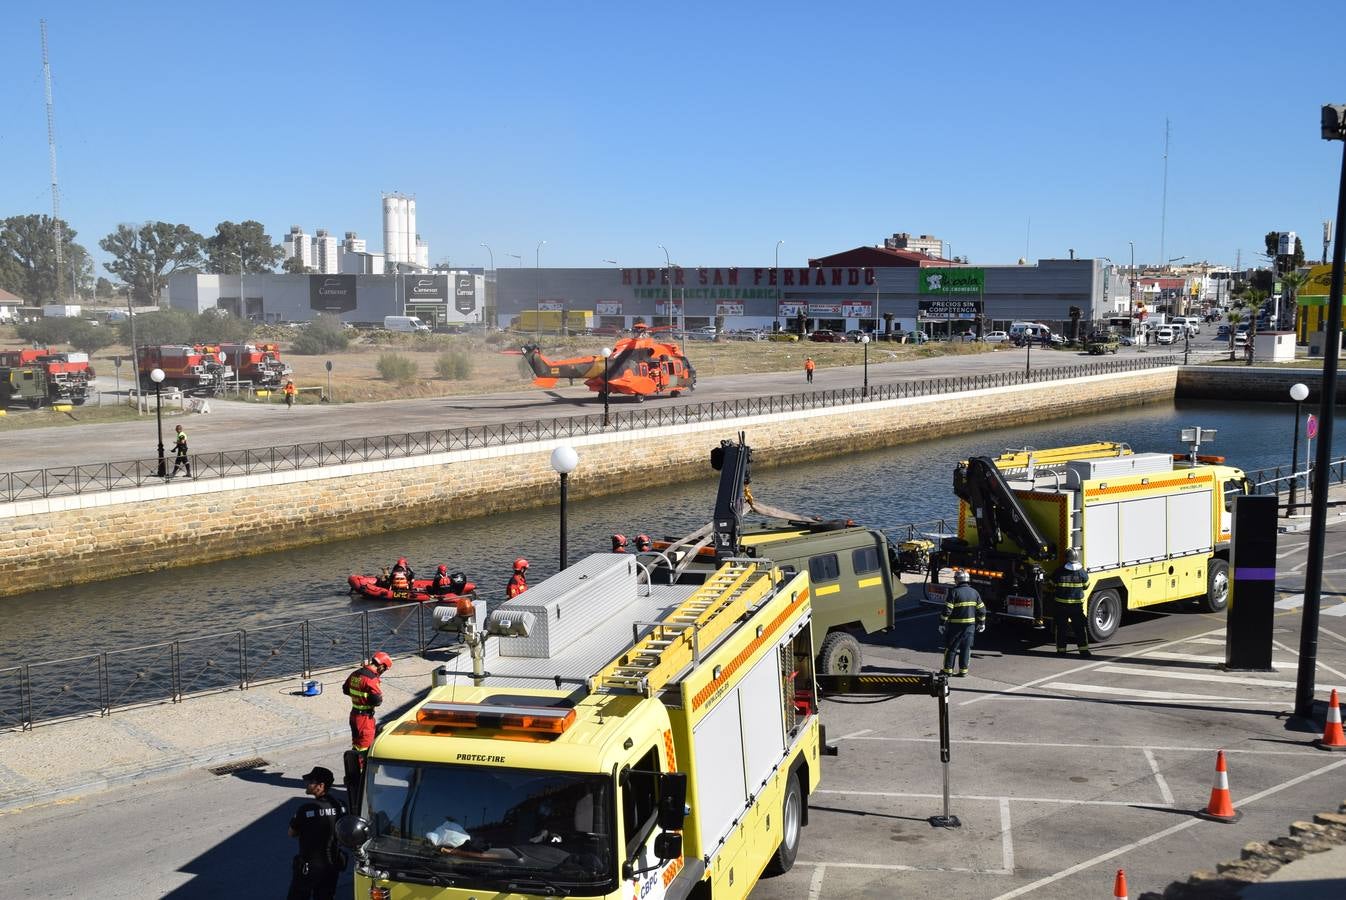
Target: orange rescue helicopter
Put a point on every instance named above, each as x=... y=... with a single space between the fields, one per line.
x=640 y=366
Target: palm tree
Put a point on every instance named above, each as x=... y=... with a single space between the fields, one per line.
x=1235 y=316
x=1291 y=282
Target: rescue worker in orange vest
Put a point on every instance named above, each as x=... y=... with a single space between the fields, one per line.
x=290 y=391
x=441 y=583
x=619 y=543
x=643 y=543
x=518 y=582
x=808 y=368
x=401 y=576
x=365 y=691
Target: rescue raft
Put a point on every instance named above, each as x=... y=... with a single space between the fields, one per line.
x=422 y=590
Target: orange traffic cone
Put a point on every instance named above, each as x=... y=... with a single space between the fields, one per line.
x=1119 y=886
x=1333 y=738
x=1221 y=807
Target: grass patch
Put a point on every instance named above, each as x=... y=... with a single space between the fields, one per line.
x=396 y=368
x=80 y=415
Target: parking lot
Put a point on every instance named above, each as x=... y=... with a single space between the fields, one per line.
x=1064 y=769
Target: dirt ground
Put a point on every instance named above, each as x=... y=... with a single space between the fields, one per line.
x=355 y=377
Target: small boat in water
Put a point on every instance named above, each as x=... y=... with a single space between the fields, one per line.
x=422 y=590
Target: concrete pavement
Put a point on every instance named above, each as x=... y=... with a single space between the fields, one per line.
x=236 y=426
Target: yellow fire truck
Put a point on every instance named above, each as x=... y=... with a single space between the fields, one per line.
x=611 y=738
x=1150 y=528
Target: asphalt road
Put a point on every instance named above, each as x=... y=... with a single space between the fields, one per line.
x=1063 y=771
x=237 y=426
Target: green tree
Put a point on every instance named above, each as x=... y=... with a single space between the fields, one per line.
x=293 y=265
x=1288 y=261
x=168 y=326
x=259 y=254
x=28 y=259
x=216 y=326
x=89 y=336
x=1235 y=317
x=146 y=257
x=104 y=288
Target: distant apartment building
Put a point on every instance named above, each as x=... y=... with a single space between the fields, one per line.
x=325 y=260
x=355 y=259
x=926 y=243
x=299 y=245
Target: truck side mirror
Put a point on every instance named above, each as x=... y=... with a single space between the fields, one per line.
x=668 y=845
x=672 y=802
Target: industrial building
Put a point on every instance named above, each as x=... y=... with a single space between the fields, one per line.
x=868 y=288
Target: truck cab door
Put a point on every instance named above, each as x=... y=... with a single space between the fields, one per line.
x=651 y=804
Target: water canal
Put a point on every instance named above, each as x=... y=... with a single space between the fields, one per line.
x=886 y=487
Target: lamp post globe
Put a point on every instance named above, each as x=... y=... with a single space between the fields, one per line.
x=157 y=376
x=607 y=354
x=564 y=460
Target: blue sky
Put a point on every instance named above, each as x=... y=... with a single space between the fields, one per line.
x=716 y=129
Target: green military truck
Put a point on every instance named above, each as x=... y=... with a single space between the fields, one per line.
x=43 y=384
x=1102 y=340
x=853 y=570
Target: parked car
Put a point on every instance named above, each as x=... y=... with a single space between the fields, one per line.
x=704 y=333
x=824 y=336
x=996 y=337
x=785 y=337
x=915 y=337
x=1126 y=340
x=855 y=334
x=1167 y=334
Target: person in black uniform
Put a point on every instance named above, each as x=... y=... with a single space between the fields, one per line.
x=319 y=862
x=964 y=614
x=181 y=459
x=1068 y=611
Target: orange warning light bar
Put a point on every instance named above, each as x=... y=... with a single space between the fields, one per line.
x=534 y=720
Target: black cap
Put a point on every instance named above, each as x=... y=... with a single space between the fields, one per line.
x=320 y=775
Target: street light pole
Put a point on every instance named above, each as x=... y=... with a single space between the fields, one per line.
x=776 y=274
x=1131 y=294
x=864 y=339
x=1334 y=129
x=1299 y=392
x=607 y=354
x=668 y=275
x=157 y=376
x=490 y=294
x=564 y=460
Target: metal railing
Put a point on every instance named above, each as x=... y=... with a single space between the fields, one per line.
x=58 y=481
x=1276 y=479
x=98 y=683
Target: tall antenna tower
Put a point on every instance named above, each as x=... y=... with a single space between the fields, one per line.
x=1163 y=208
x=51 y=146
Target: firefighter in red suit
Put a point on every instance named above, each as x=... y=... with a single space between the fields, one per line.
x=518 y=582
x=366 y=693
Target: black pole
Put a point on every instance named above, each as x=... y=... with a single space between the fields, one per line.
x=605 y=392
x=565 y=562
x=159 y=421
x=1294 y=461
x=1313 y=580
x=1028 y=360
x=865 y=392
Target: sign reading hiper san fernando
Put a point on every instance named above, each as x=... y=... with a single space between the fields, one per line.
x=949 y=280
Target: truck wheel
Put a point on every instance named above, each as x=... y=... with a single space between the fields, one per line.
x=79 y=401
x=1105 y=614
x=840 y=655
x=34 y=403
x=1217 y=587
x=792 y=821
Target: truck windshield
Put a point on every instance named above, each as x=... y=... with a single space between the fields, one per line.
x=489 y=827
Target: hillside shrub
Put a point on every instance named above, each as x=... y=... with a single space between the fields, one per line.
x=325 y=334
x=396 y=367
x=456 y=365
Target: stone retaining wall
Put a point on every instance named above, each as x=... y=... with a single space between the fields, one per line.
x=180 y=523
x=1249 y=383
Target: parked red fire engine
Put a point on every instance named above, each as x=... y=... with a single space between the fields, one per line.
x=39 y=377
x=198 y=369
x=257 y=363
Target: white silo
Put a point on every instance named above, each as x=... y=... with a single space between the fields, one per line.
x=392 y=245
x=410 y=245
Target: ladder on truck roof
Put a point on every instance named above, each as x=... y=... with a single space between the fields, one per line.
x=1016 y=460
x=676 y=641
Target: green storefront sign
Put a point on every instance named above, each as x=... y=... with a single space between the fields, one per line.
x=948 y=280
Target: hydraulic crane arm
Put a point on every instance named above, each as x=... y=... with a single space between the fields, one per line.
x=979 y=483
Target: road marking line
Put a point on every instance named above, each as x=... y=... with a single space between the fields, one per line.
x=1295 y=653
x=1160 y=835
x=1336 y=611
x=816 y=882
x=855 y=734
x=899 y=867
x=1213 y=660
x=1294 y=601
x=1057 y=744
x=903 y=795
x=1196 y=676
x=1085 y=668
x=1159 y=777
x=1006 y=841
x=1333 y=634
x=1170 y=696
x=1220 y=642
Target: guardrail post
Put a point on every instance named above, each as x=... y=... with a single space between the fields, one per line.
x=242 y=660
x=307 y=653
x=26 y=699
x=104 y=693
x=175 y=657
x=364 y=635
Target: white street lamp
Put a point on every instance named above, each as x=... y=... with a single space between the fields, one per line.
x=564 y=459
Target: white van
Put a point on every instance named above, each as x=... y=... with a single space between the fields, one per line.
x=1191 y=323
x=1167 y=334
x=405 y=325
x=1020 y=331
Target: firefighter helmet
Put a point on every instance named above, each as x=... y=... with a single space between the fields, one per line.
x=1072 y=555
x=443 y=569
x=520 y=564
x=381 y=659
x=961 y=577
x=402 y=561
x=618 y=543
x=643 y=542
